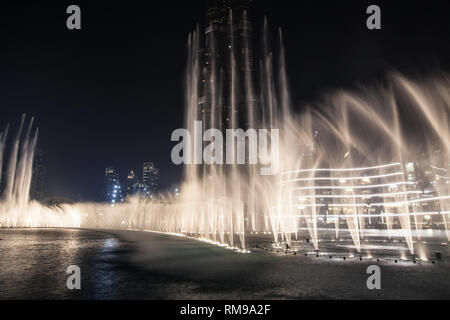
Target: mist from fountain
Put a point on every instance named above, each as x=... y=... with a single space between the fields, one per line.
x=341 y=160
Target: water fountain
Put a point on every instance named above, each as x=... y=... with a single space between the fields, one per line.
x=354 y=162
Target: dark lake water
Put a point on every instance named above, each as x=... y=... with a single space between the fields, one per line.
x=33 y=264
x=139 y=265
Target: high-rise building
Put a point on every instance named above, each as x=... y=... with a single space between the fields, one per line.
x=142 y=190
x=150 y=177
x=113 y=192
x=132 y=184
x=228 y=33
x=221 y=84
x=38 y=178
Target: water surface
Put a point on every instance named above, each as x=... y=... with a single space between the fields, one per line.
x=141 y=265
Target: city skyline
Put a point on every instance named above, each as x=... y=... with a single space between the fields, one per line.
x=119 y=187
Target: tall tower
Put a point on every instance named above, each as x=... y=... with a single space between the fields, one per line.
x=220 y=89
x=113 y=192
x=132 y=184
x=150 y=177
x=226 y=87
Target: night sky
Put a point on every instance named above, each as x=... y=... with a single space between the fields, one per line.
x=112 y=93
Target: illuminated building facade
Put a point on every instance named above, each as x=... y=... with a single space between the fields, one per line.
x=150 y=177
x=113 y=192
x=368 y=197
x=131 y=184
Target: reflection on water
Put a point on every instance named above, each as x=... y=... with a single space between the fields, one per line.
x=141 y=265
x=33 y=263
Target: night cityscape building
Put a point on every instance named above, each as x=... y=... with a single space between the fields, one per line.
x=224 y=81
x=143 y=191
x=131 y=184
x=147 y=187
x=228 y=30
x=150 y=177
x=113 y=188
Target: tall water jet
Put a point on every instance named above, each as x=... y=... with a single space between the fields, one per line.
x=19 y=168
x=15 y=197
x=3 y=136
x=11 y=171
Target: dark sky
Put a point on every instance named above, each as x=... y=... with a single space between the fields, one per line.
x=112 y=93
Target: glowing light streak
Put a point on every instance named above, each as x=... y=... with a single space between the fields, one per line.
x=347 y=178
x=375 y=195
x=343 y=169
x=373 y=186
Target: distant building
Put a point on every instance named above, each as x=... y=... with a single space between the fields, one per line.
x=150 y=177
x=131 y=184
x=38 y=178
x=113 y=193
x=142 y=190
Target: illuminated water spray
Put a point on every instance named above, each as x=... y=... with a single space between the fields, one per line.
x=349 y=162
